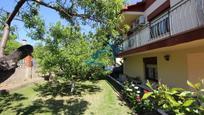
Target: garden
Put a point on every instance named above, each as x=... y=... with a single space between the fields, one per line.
x=89 y=98
x=161 y=99
x=71 y=55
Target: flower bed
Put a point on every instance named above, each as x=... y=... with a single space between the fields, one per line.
x=165 y=100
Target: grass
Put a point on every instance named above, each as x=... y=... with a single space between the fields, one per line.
x=92 y=98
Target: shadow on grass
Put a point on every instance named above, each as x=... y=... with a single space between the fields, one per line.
x=56 y=107
x=64 y=89
x=7 y=100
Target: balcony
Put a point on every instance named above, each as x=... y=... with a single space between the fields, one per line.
x=184 y=16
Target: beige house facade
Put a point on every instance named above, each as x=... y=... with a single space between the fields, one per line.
x=166 y=41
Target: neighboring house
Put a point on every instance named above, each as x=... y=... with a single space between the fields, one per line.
x=165 y=42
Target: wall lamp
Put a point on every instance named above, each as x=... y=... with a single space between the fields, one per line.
x=167 y=57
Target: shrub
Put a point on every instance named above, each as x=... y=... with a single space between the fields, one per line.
x=133 y=95
x=170 y=100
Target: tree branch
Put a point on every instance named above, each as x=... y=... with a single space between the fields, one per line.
x=63 y=10
x=15 y=11
x=8 y=64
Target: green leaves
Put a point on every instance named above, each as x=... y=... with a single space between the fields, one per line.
x=196 y=86
x=171 y=99
x=175 y=100
x=149 y=85
x=12 y=45
x=188 y=102
x=66 y=51
x=146 y=95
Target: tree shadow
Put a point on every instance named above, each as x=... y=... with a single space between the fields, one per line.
x=56 y=107
x=82 y=89
x=64 y=89
x=7 y=100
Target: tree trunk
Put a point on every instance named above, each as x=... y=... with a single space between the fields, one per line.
x=4 y=39
x=7 y=26
x=8 y=64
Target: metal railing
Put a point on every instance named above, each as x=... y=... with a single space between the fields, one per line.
x=184 y=16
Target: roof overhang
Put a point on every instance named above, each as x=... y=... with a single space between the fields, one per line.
x=128 y=17
x=139 y=7
x=131 y=13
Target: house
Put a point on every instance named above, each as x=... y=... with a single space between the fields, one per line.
x=165 y=42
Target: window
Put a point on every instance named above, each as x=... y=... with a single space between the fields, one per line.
x=151 y=71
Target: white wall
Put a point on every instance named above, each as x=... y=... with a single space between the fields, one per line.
x=154 y=6
x=173 y=2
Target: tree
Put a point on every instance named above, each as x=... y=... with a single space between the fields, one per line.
x=8 y=63
x=66 y=51
x=12 y=43
x=96 y=12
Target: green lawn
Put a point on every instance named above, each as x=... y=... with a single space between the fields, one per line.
x=93 y=98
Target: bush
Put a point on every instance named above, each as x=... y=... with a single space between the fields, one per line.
x=170 y=100
x=133 y=94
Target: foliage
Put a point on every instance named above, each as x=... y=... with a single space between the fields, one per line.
x=65 y=53
x=133 y=95
x=12 y=44
x=97 y=14
x=172 y=100
x=75 y=12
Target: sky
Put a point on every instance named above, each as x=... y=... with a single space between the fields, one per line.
x=50 y=17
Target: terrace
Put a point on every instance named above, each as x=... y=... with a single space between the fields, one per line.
x=183 y=17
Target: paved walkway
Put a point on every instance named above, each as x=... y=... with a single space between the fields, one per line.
x=18 y=79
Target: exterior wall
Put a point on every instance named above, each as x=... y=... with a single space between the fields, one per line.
x=174 y=71
x=185 y=64
x=134 y=67
x=158 y=3
x=196 y=65
x=173 y=2
x=182 y=23
x=154 y=6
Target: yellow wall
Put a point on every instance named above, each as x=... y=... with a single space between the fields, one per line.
x=174 y=71
x=133 y=67
x=195 y=67
x=185 y=64
x=195 y=60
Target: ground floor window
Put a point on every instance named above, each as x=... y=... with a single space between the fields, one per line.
x=151 y=70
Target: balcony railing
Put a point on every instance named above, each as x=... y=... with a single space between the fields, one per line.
x=184 y=16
